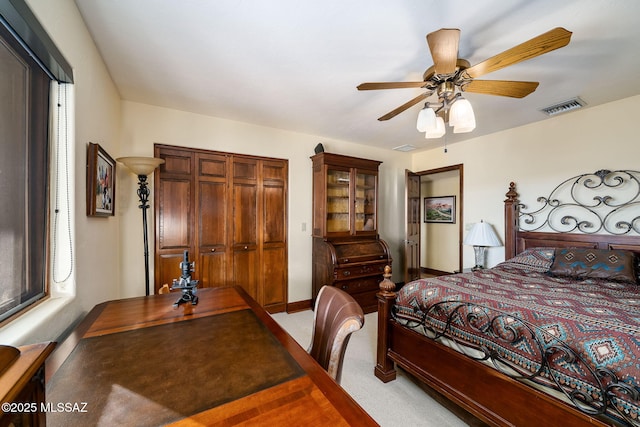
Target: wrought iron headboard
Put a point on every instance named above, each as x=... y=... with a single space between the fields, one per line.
x=593 y=203
x=602 y=203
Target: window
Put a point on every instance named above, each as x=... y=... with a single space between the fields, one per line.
x=24 y=156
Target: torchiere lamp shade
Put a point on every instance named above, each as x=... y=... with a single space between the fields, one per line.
x=141 y=165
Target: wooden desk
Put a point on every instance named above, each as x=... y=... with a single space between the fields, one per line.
x=139 y=362
x=22 y=385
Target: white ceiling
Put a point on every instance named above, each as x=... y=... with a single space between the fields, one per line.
x=295 y=64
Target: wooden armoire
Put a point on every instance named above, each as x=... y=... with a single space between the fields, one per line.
x=347 y=250
x=230 y=212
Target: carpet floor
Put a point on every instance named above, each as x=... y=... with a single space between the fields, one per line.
x=398 y=402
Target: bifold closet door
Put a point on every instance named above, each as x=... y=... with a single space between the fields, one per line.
x=245 y=224
x=230 y=212
x=212 y=196
x=174 y=218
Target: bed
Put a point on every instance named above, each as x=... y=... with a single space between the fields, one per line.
x=552 y=334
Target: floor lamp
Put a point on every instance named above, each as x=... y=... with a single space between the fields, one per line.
x=143 y=167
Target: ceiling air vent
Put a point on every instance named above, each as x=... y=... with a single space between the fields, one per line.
x=564 y=107
x=406 y=147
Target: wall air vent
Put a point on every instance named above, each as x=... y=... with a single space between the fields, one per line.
x=564 y=107
x=406 y=147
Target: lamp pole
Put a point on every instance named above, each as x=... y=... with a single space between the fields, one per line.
x=143 y=195
x=143 y=167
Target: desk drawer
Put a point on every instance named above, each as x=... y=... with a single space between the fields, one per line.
x=371 y=283
x=362 y=270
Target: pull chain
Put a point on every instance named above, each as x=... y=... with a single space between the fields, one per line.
x=58 y=150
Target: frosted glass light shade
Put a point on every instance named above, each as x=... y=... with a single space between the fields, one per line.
x=436 y=132
x=461 y=116
x=465 y=127
x=426 y=119
x=141 y=165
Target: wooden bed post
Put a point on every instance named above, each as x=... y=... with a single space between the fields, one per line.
x=510 y=222
x=385 y=368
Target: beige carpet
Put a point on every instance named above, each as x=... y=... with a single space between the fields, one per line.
x=399 y=402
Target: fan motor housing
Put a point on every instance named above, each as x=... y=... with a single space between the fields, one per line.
x=461 y=65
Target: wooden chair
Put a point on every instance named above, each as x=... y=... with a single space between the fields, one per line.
x=336 y=316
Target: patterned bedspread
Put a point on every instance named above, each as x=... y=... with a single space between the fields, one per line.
x=580 y=337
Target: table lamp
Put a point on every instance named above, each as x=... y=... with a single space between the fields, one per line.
x=480 y=237
x=143 y=167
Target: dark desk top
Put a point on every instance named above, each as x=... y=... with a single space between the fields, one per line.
x=141 y=362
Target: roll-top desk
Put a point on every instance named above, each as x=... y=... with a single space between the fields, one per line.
x=347 y=250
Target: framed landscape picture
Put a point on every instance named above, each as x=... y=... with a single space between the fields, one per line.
x=440 y=209
x=101 y=182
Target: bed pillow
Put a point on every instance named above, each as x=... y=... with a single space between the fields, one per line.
x=587 y=263
x=537 y=259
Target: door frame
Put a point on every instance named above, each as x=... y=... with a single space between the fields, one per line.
x=460 y=168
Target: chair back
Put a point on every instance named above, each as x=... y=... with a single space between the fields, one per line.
x=336 y=316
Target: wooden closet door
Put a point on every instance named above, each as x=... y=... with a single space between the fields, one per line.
x=230 y=212
x=273 y=268
x=244 y=216
x=174 y=215
x=212 y=195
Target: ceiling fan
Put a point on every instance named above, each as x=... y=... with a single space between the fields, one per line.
x=450 y=75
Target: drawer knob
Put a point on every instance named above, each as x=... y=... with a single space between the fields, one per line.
x=347 y=273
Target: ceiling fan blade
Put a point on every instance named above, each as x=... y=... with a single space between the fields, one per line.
x=551 y=40
x=443 y=45
x=389 y=85
x=404 y=106
x=510 y=88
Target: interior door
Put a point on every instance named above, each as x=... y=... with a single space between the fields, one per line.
x=412 y=227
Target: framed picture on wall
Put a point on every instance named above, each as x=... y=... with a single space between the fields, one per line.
x=101 y=182
x=440 y=209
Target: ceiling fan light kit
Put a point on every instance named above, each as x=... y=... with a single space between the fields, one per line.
x=436 y=132
x=450 y=76
x=461 y=116
x=426 y=119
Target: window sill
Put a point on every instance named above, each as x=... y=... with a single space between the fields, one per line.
x=42 y=323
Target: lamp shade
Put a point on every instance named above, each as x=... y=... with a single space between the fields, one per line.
x=436 y=132
x=482 y=234
x=426 y=119
x=141 y=165
x=461 y=116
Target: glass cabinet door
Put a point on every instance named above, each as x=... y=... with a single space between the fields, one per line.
x=337 y=200
x=365 y=201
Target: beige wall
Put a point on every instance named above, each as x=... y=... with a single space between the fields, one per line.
x=439 y=242
x=537 y=157
x=143 y=125
x=97 y=105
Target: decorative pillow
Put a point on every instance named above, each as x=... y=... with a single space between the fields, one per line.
x=586 y=263
x=537 y=259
